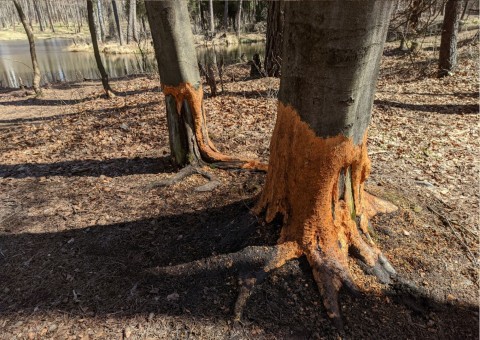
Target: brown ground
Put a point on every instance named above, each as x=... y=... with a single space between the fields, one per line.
x=82 y=221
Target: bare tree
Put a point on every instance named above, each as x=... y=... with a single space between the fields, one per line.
x=448 y=45
x=93 y=34
x=117 y=21
x=33 y=54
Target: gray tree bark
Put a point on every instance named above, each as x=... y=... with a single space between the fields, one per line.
x=273 y=48
x=96 y=51
x=448 y=45
x=177 y=65
x=33 y=54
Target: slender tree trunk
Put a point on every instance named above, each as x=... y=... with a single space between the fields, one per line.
x=132 y=22
x=180 y=79
x=49 y=15
x=33 y=54
x=202 y=15
x=465 y=8
x=101 y=23
x=96 y=51
x=225 y=15
x=239 y=17
x=39 y=16
x=448 y=45
x=117 y=21
x=212 y=21
x=273 y=49
x=318 y=153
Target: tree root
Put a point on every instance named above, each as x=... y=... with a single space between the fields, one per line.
x=330 y=274
x=189 y=171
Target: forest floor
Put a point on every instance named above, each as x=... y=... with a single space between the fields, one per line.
x=83 y=222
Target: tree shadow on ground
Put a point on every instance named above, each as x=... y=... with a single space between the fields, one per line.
x=272 y=93
x=31 y=101
x=94 y=168
x=105 y=270
x=100 y=113
x=437 y=108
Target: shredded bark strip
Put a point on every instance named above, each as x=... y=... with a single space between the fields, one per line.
x=194 y=98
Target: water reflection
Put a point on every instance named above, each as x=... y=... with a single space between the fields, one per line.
x=59 y=65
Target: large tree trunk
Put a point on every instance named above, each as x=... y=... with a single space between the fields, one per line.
x=318 y=153
x=33 y=54
x=96 y=51
x=180 y=79
x=448 y=45
x=117 y=21
x=273 y=49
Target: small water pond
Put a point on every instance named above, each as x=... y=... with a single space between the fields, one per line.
x=57 y=64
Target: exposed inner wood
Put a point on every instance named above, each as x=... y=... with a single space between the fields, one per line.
x=323 y=219
x=193 y=97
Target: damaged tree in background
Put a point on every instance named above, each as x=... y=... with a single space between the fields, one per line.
x=180 y=80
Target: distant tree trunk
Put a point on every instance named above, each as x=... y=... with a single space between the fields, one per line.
x=225 y=15
x=202 y=16
x=98 y=59
x=49 y=15
x=465 y=7
x=448 y=45
x=273 y=49
x=132 y=22
x=212 y=21
x=238 y=18
x=180 y=81
x=117 y=21
x=318 y=152
x=101 y=23
x=39 y=16
x=33 y=54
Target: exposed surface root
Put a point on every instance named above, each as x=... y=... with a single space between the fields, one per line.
x=281 y=254
x=189 y=171
x=185 y=92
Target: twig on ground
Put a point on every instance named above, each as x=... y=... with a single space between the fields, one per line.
x=447 y=223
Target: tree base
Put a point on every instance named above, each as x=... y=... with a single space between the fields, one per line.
x=316 y=184
x=189 y=139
